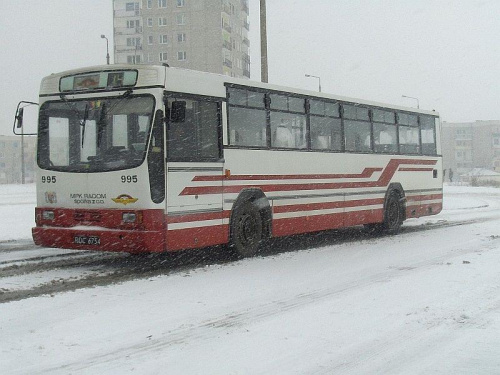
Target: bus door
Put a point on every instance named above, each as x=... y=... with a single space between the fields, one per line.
x=195 y=166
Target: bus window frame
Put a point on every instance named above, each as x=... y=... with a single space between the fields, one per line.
x=195 y=97
x=308 y=115
x=91 y=98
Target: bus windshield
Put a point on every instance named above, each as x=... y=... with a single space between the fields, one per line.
x=94 y=135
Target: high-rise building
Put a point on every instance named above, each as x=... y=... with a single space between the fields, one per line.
x=470 y=145
x=206 y=35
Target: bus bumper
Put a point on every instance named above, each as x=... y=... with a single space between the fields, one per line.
x=131 y=241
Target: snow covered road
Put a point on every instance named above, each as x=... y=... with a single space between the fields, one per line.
x=425 y=301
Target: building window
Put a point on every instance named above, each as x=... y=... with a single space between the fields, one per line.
x=162 y=21
x=150 y=22
x=131 y=59
x=132 y=42
x=150 y=39
x=130 y=7
x=181 y=19
x=150 y=4
x=150 y=58
x=163 y=39
x=181 y=55
x=180 y=3
x=163 y=56
x=181 y=37
x=162 y=3
x=132 y=24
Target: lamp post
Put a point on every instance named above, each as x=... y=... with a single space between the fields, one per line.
x=319 y=80
x=264 y=73
x=22 y=157
x=411 y=97
x=107 y=47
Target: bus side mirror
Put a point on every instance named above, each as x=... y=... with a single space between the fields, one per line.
x=19 y=117
x=178 y=111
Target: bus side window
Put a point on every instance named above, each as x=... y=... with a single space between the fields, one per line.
x=428 y=135
x=196 y=137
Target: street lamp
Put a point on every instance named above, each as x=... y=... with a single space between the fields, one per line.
x=319 y=80
x=411 y=97
x=264 y=72
x=107 y=47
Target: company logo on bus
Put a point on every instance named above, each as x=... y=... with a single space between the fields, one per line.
x=124 y=199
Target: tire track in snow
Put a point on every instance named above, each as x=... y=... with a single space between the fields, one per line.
x=116 y=268
x=209 y=329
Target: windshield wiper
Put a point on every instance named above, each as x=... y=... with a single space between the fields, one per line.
x=101 y=124
x=84 y=121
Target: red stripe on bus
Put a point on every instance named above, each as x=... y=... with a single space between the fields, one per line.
x=198 y=217
x=191 y=238
x=367 y=173
x=297 y=225
x=423 y=210
x=417 y=198
x=383 y=180
x=277 y=209
x=327 y=205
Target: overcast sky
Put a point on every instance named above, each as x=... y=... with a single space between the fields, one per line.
x=445 y=52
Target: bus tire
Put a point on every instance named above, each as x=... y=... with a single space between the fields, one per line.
x=247 y=232
x=393 y=213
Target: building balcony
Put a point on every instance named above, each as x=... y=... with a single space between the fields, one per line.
x=226 y=9
x=246 y=73
x=246 y=25
x=228 y=28
x=246 y=58
x=246 y=41
x=126 y=14
x=227 y=63
x=127 y=49
x=227 y=46
x=128 y=31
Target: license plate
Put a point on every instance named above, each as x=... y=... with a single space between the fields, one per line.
x=87 y=240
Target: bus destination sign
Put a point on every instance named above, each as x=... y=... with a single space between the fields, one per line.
x=98 y=80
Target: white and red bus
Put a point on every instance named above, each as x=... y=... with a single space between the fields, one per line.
x=152 y=159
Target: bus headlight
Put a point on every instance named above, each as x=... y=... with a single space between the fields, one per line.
x=48 y=215
x=129 y=217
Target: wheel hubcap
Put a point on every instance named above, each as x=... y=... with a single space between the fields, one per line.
x=248 y=229
x=393 y=213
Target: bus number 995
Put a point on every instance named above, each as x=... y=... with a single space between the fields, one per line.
x=129 y=179
x=48 y=179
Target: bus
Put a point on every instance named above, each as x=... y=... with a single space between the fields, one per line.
x=139 y=158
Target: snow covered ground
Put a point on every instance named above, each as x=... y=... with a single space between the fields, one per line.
x=425 y=301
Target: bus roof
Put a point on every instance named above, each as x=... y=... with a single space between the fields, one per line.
x=203 y=83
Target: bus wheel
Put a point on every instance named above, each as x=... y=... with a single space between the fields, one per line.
x=393 y=214
x=246 y=230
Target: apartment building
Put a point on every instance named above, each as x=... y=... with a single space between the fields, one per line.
x=470 y=145
x=10 y=159
x=206 y=35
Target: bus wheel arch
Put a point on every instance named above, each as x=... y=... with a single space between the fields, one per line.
x=250 y=222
